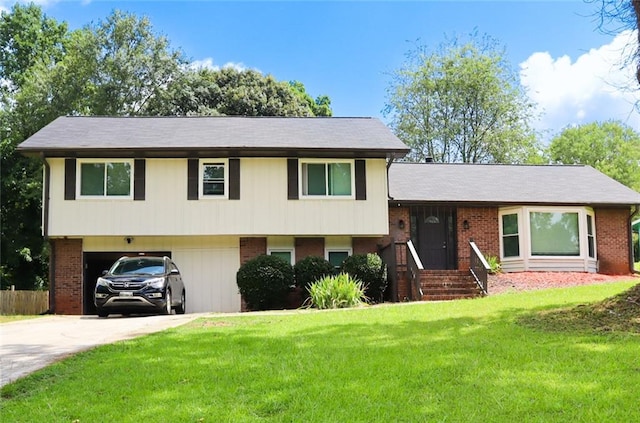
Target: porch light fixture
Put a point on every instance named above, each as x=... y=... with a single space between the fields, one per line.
x=465 y=224
x=401 y=224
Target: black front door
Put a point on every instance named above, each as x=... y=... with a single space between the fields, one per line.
x=435 y=233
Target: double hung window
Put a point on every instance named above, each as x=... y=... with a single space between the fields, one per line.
x=213 y=179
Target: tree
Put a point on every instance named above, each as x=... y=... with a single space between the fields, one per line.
x=231 y=91
x=616 y=15
x=133 y=65
x=28 y=40
x=461 y=103
x=611 y=147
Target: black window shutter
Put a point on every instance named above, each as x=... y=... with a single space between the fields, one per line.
x=69 y=179
x=361 y=179
x=292 y=179
x=139 y=169
x=192 y=179
x=234 y=179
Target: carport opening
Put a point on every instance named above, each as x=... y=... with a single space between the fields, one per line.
x=95 y=264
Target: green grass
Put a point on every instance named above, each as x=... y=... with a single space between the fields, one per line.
x=13 y=318
x=462 y=361
x=636 y=266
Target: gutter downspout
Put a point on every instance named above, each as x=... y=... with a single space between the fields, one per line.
x=45 y=233
x=636 y=208
x=389 y=197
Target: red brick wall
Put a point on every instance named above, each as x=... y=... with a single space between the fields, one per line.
x=309 y=247
x=612 y=239
x=251 y=248
x=362 y=245
x=399 y=216
x=67 y=273
x=483 y=229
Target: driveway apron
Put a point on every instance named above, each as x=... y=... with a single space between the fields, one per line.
x=29 y=345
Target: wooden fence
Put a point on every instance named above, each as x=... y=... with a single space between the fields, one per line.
x=23 y=302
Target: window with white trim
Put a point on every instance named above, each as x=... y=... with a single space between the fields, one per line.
x=591 y=237
x=554 y=233
x=284 y=253
x=214 y=178
x=105 y=178
x=333 y=178
x=336 y=257
x=546 y=232
x=510 y=235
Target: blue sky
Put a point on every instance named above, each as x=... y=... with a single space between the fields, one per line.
x=346 y=49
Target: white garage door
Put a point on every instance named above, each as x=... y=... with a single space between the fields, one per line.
x=210 y=278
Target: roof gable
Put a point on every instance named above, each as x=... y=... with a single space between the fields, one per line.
x=506 y=184
x=222 y=134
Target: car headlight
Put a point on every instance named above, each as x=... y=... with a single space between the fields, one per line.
x=102 y=282
x=157 y=283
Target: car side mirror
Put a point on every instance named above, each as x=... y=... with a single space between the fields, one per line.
x=104 y=272
x=174 y=272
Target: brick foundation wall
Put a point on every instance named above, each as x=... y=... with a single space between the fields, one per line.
x=67 y=272
x=612 y=239
x=251 y=248
x=309 y=247
x=483 y=229
x=362 y=245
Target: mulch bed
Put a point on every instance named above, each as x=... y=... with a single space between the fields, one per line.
x=526 y=281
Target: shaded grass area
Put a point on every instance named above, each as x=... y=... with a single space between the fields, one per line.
x=457 y=361
x=620 y=313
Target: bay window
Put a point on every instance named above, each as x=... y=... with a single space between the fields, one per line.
x=529 y=233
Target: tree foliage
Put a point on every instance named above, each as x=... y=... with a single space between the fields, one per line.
x=611 y=147
x=461 y=103
x=230 y=91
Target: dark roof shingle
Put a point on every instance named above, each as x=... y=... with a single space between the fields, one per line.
x=506 y=184
x=101 y=134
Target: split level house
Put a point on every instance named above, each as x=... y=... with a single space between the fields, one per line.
x=215 y=192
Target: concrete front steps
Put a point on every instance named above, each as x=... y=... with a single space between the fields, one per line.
x=443 y=285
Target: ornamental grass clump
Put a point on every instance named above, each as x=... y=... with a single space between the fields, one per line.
x=340 y=291
x=369 y=269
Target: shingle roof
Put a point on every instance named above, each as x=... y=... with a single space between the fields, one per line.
x=368 y=136
x=506 y=184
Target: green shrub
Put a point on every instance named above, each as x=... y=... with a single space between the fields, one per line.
x=494 y=264
x=311 y=269
x=264 y=282
x=369 y=269
x=340 y=291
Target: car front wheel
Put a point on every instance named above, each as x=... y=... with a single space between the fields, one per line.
x=167 y=308
x=182 y=306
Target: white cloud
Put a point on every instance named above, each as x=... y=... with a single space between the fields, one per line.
x=597 y=86
x=209 y=64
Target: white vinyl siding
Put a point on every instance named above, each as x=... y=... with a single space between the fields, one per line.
x=264 y=207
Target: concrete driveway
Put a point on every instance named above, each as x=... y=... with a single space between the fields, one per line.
x=29 y=345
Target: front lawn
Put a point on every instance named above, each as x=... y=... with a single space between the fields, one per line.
x=462 y=361
x=14 y=318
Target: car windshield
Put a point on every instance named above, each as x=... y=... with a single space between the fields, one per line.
x=139 y=266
